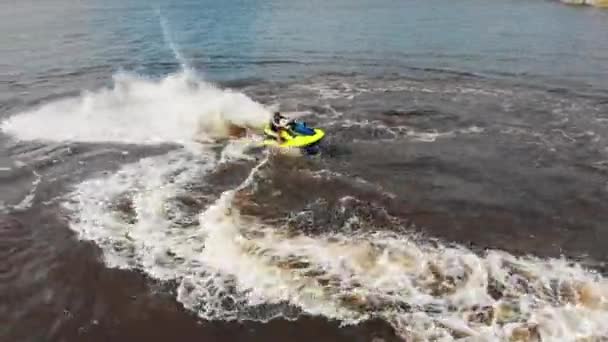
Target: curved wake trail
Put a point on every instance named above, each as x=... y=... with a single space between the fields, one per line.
x=227 y=264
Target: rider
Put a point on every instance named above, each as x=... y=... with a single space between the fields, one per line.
x=278 y=124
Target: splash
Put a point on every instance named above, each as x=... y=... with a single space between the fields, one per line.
x=176 y=109
x=152 y=216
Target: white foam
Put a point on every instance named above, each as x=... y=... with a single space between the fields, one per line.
x=406 y=131
x=598 y=3
x=432 y=136
x=177 y=109
x=236 y=149
x=227 y=264
x=171 y=43
x=27 y=201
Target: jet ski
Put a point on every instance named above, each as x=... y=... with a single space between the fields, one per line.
x=298 y=136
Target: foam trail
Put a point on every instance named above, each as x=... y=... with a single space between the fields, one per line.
x=175 y=109
x=27 y=201
x=171 y=43
x=226 y=264
x=147 y=194
x=236 y=150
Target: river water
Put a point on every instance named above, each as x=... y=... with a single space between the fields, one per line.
x=460 y=192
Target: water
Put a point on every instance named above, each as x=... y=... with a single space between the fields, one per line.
x=460 y=193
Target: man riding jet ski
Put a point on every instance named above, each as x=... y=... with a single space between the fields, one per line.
x=286 y=133
x=278 y=125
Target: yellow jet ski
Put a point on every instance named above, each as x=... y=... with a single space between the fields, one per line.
x=299 y=136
